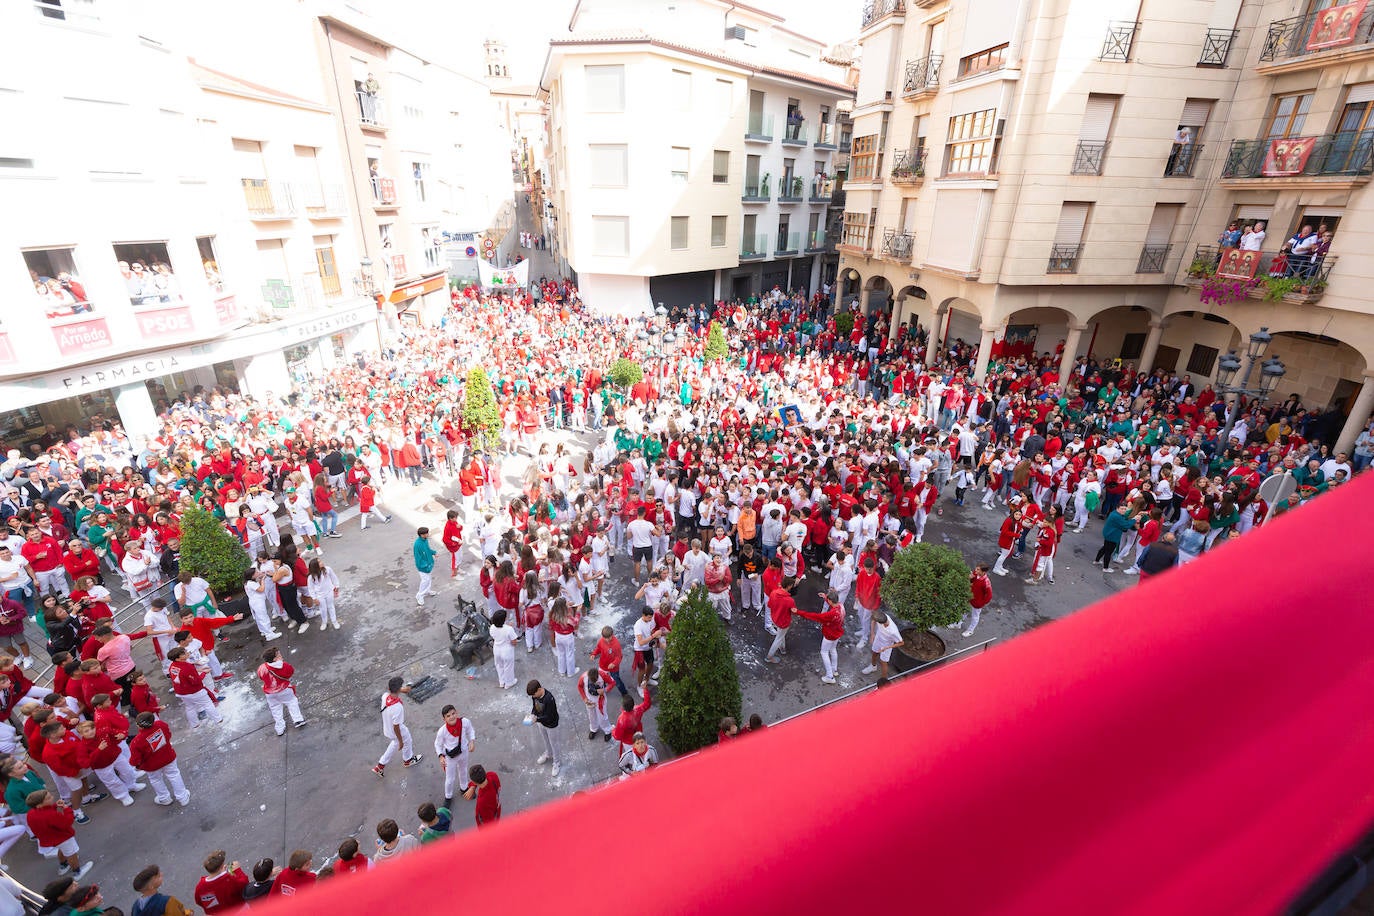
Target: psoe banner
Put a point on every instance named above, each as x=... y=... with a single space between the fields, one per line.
x=516 y=277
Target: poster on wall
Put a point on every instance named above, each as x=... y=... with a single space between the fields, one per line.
x=516 y=277
x=1287 y=156
x=1238 y=265
x=1336 y=26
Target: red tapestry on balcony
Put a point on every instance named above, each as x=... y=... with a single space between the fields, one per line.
x=1238 y=265
x=1017 y=340
x=1287 y=156
x=1336 y=26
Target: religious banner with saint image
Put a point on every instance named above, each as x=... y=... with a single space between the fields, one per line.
x=1237 y=265
x=1336 y=26
x=1287 y=156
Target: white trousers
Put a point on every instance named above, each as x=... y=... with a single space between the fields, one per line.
x=52 y=580
x=405 y=746
x=119 y=777
x=552 y=745
x=195 y=703
x=534 y=636
x=596 y=717
x=865 y=624
x=779 y=642
x=750 y=593
x=721 y=602
x=830 y=657
x=565 y=651
x=505 y=666
x=168 y=777
x=455 y=773
x=327 y=608
x=261 y=617
x=279 y=704
x=426 y=586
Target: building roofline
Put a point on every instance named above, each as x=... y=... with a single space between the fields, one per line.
x=247 y=89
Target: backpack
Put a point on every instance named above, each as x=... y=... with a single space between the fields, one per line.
x=155 y=905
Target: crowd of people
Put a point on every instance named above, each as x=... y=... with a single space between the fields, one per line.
x=810 y=453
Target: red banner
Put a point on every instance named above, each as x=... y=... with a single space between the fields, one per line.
x=78 y=337
x=165 y=322
x=1238 y=265
x=1287 y=156
x=1336 y=26
x=226 y=310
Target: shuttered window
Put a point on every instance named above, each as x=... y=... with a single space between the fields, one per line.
x=1073 y=218
x=1195 y=114
x=1162 y=223
x=609 y=164
x=1097 y=118
x=1364 y=92
x=954 y=208
x=1253 y=212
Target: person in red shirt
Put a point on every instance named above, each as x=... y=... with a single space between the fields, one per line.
x=453 y=541
x=631 y=720
x=485 y=787
x=141 y=695
x=1150 y=531
x=151 y=751
x=220 y=889
x=350 y=860
x=80 y=562
x=103 y=752
x=367 y=503
x=981 y=586
x=609 y=656
x=296 y=876
x=44 y=555
x=188 y=683
x=867 y=597
x=65 y=757
x=50 y=821
x=831 y=619
x=780 y=608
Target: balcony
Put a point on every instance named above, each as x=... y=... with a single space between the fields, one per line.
x=371 y=110
x=268 y=200
x=1152 y=259
x=1216 y=47
x=1338 y=160
x=759 y=128
x=922 y=77
x=790 y=191
x=753 y=247
x=1273 y=276
x=383 y=191
x=822 y=189
x=789 y=243
x=755 y=192
x=825 y=137
x=1087 y=159
x=1183 y=160
x=908 y=165
x=1064 y=259
x=876 y=10
x=1118 y=41
x=323 y=201
x=795 y=133
x=856 y=241
x=897 y=246
x=815 y=241
x=1307 y=39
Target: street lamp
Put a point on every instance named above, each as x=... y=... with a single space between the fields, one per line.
x=1271 y=370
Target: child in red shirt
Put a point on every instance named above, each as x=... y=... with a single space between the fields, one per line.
x=486 y=788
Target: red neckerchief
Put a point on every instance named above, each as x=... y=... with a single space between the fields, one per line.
x=389 y=700
x=455 y=730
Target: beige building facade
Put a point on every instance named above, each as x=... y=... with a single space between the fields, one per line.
x=1029 y=173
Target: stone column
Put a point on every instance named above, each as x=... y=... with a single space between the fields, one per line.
x=1359 y=416
x=1071 y=342
x=136 y=412
x=984 y=351
x=1147 y=355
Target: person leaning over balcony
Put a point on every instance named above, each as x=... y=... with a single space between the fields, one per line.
x=1300 y=250
x=1231 y=237
x=1252 y=239
x=1183 y=138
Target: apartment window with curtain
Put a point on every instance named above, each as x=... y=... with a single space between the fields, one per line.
x=609 y=164
x=680 y=162
x=983 y=61
x=611 y=236
x=1091 y=153
x=720 y=166
x=971 y=148
x=678 y=233
x=1068 y=237
x=718 y=225
x=1288 y=116
x=330 y=283
x=863 y=159
x=855 y=230
x=605 y=87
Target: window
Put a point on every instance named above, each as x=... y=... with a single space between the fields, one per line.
x=971 y=148
x=855 y=230
x=609 y=164
x=147 y=272
x=681 y=83
x=1196 y=113
x=209 y=260
x=863 y=160
x=329 y=271
x=680 y=161
x=983 y=61
x=678 y=233
x=56 y=282
x=1092 y=134
x=1068 y=237
x=611 y=236
x=789 y=170
x=606 y=87
x=432 y=245
x=107 y=134
x=718 y=226
x=1202 y=359
x=276 y=289
x=419 y=171
x=1132 y=345
x=1290 y=113
x=720 y=166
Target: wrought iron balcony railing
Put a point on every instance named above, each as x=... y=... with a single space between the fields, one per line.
x=1118 y=41
x=908 y=165
x=1183 y=160
x=1299 y=36
x=1348 y=153
x=1087 y=159
x=1152 y=259
x=1064 y=259
x=898 y=245
x=1216 y=47
x=922 y=75
x=877 y=9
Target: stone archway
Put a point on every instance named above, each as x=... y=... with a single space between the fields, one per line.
x=849 y=282
x=1329 y=377
x=878 y=296
x=909 y=299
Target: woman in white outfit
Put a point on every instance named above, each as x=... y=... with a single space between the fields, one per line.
x=324 y=588
x=563 y=622
x=532 y=611
x=503 y=649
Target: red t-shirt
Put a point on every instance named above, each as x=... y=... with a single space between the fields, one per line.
x=488 y=808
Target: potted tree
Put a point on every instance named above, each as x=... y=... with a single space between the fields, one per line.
x=480 y=414
x=716 y=347
x=699 y=684
x=927 y=586
x=210 y=551
x=625 y=373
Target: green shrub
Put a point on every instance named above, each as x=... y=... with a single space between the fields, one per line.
x=716 y=347
x=625 y=372
x=927 y=585
x=480 y=415
x=699 y=681
x=210 y=551
x=844 y=323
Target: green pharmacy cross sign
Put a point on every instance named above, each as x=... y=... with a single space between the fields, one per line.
x=277 y=293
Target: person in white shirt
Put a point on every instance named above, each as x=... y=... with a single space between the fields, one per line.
x=140 y=572
x=641 y=533
x=454 y=740
x=255 y=589
x=721 y=545
x=1339 y=463
x=842 y=574
x=1253 y=238
x=795 y=532
x=885 y=637
x=394 y=728
x=694 y=566
x=262 y=509
x=323 y=586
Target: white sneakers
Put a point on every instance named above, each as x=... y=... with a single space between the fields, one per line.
x=555 y=771
x=126 y=801
x=869 y=670
x=303 y=629
x=968 y=632
x=543 y=759
x=827 y=680
x=271 y=636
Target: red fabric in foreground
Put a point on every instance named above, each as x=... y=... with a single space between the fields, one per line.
x=1197 y=744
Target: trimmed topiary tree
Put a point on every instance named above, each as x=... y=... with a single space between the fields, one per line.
x=927 y=586
x=480 y=415
x=844 y=323
x=699 y=682
x=211 y=551
x=716 y=347
x=625 y=373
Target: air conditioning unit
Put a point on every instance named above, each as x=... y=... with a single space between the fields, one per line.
x=734 y=32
